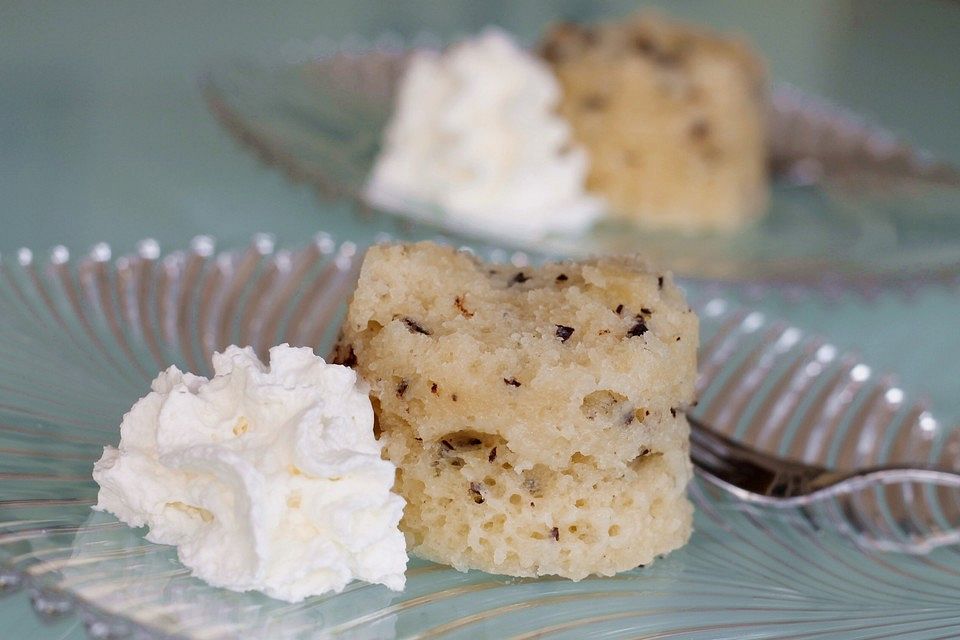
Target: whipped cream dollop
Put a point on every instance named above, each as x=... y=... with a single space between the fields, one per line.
x=264 y=477
x=476 y=136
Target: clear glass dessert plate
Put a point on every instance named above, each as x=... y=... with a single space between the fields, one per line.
x=852 y=206
x=81 y=338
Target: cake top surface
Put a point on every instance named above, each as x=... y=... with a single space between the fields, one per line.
x=563 y=308
x=559 y=359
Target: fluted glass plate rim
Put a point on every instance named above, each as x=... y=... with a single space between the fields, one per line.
x=331 y=260
x=881 y=259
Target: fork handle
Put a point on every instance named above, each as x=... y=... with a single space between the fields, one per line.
x=762 y=478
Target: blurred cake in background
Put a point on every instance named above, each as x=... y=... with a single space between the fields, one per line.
x=672 y=116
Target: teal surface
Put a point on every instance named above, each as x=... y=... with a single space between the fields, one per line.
x=104 y=135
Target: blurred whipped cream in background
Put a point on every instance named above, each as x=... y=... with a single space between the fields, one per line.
x=475 y=136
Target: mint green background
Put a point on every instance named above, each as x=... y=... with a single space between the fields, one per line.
x=104 y=135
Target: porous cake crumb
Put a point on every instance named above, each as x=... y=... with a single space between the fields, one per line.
x=535 y=414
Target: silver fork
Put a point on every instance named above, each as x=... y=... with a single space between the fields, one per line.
x=770 y=480
x=785 y=419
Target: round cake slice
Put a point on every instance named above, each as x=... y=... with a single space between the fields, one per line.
x=672 y=116
x=535 y=414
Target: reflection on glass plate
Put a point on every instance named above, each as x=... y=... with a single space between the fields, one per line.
x=852 y=205
x=80 y=340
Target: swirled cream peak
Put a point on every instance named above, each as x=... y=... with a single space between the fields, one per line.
x=266 y=478
x=475 y=136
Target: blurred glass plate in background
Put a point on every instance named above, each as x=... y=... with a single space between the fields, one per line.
x=852 y=206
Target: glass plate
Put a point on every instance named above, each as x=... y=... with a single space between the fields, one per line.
x=853 y=206
x=80 y=340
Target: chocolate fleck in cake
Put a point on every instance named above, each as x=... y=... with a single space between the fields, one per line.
x=672 y=116
x=535 y=414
